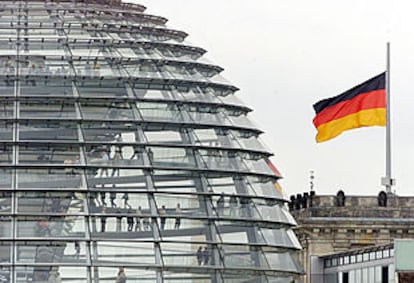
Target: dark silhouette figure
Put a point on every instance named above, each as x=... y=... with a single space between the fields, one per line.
x=177 y=217
x=103 y=194
x=121 y=278
x=125 y=197
x=233 y=203
x=119 y=222
x=150 y=155
x=77 y=249
x=130 y=221
x=220 y=205
x=43 y=229
x=340 y=198
x=112 y=197
x=145 y=224
x=206 y=256
x=382 y=199
x=199 y=255
x=162 y=214
x=103 y=222
x=244 y=206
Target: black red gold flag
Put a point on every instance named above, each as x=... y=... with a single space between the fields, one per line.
x=362 y=106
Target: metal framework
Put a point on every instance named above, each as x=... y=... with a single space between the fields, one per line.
x=122 y=148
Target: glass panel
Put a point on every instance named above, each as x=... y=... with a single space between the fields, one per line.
x=5 y=227
x=54 y=108
x=231 y=233
x=5 y=258
x=122 y=253
x=160 y=112
x=207 y=115
x=182 y=254
x=179 y=206
x=282 y=261
x=221 y=160
x=6 y=152
x=172 y=277
x=8 y=67
x=264 y=187
x=106 y=110
x=391 y=273
x=171 y=157
x=113 y=156
x=48 y=130
x=378 y=274
x=50 y=202
x=177 y=181
x=44 y=273
x=91 y=91
x=364 y=275
x=46 y=154
x=280 y=237
x=123 y=218
x=371 y=274
x=55 y=88
x=51 y=227
x=6 y=109
x=51 y=252
x=96 y=68
x=49 y=178
x=111 y=274
x=236 y=256
x=109 y=132
x=358 y=276
x=352 y=278
x=168 y=136
x=6 y=131
x=127 y=179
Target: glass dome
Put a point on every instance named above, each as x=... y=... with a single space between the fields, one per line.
x=125 y=154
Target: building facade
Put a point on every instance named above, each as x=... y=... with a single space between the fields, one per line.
x=125 y=154
x=344 y=236
x=366 y=265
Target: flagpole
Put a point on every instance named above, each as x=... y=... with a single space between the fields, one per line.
x=388 y=180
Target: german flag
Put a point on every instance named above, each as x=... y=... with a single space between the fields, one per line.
x=362 y=106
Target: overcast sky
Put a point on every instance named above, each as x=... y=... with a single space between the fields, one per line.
x=287 y=55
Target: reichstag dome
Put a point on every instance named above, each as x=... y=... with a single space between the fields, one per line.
x=126 y=157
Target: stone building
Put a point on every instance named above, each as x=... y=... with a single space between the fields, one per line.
x=329 y=224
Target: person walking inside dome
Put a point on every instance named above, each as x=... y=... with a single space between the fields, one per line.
x=145 y=224
x=206 y=256
x=138 y=216
x=105 y=160
x=121 y=278
x=54 y=277
x=103 y=195
x=233 y=203
x=103 y=220
x=112 y=197
x=199 y=255
x=119 y=221
x=177 y=217
x=130 y=220
x=116 y=161
x=162 y=213
x=220 y=204
x=125 y=197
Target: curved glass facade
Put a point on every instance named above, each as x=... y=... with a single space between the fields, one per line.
x=124 y=153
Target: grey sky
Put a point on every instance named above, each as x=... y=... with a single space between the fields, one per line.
x=287 y=55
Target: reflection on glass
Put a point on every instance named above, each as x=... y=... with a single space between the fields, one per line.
x=51 y=227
